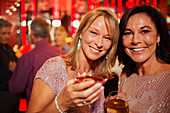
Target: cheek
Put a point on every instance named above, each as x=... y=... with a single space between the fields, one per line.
x=2 y=36
x=126 y=42
x=107 y=45
x=88 y=39
x=151 y=39
x=63 y=39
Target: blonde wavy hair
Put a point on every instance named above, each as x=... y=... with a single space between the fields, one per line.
x=102 y=65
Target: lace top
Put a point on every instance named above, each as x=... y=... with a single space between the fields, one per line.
x=53 y=73
x=147 y=94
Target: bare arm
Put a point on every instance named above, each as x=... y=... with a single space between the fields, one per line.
x=42 y=97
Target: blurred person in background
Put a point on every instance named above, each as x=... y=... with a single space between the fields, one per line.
x=9 y=103
x=60 y=35
x=28 y=65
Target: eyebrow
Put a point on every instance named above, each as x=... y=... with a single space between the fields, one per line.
x=94 y=27
x=128 y=29
x=141 y=28
x=146 y=26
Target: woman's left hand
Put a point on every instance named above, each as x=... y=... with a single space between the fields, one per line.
x=79 y=94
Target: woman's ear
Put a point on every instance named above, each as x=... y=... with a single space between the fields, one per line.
x=80 y=36
x=158 y=38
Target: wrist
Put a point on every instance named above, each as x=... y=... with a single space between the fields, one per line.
x=58 y=107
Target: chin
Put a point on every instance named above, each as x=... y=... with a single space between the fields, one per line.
x=93 y=57
x=138 y=60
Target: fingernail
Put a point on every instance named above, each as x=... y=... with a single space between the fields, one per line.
x=102 y=88
x=91 y=81
x=99 y=84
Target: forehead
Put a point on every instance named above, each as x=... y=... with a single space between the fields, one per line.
x=139 y=20
x=57 y=31
x=99 y=21
x=5 y=29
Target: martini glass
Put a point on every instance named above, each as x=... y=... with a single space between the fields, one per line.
x=91 y=76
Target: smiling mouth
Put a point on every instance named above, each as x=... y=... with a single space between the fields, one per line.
x=94 y=49
x=138 y=49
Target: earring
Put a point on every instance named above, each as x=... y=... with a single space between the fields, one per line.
x=106 y=57
x=158 y=44
x=79 y=44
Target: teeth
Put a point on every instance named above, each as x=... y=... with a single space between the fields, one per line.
x=140 y=49
x=94 y=50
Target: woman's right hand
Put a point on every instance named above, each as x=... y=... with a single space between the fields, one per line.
x=73 y=93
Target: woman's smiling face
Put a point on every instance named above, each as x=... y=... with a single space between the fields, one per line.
x=140 y=38
x=95 y=41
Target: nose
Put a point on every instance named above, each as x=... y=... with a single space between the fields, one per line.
x=136 y=39
x=6 y=36
x=99 y=41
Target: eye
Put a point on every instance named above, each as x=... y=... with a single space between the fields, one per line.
x=3 y=33
x=93 y=32
x=145 y=31
x=108 y=38
x=127 y=33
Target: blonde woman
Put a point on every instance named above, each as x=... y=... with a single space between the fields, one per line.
x=93 y=50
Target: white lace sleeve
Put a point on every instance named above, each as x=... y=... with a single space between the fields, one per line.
x=53 y=73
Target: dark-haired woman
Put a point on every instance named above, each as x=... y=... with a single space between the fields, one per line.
x=144 y=50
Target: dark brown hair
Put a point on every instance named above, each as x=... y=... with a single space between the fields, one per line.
x=162 y=51
x=4 y=23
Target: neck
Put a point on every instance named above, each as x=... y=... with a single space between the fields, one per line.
x=84 y=65
x=59 y=46
x=38 y=39
x=153 y=67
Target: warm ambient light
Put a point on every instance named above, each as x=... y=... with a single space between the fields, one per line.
x=7 y=11
x=48 y=21
x=168 y=19
x=17 y=4
x=10 y=13
x=29 y=22
x=24 y=23
x=56 y=23
x=76 y=23
x=68 y=39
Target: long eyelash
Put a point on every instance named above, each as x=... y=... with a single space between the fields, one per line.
x=93 y=32
x=127 y=33
x=109 y=38
x=146 y=31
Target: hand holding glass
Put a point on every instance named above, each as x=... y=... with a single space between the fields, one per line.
x=115 y=104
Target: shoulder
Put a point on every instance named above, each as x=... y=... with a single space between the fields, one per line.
x=30 y=53
x=55 y=60
x=123 y=75
x=26 y=57
x=165 y=76
x=53 y=73
x=53 y=65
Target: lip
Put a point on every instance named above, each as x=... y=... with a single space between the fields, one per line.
x=94 y=50
x=138 y=50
